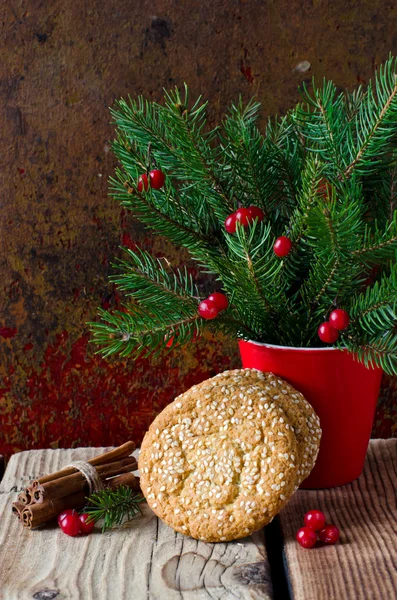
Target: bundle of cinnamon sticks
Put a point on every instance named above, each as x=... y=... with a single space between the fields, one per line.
x=48 y=496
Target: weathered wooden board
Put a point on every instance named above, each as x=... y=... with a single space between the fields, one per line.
x=144 y=559
x=363 y=566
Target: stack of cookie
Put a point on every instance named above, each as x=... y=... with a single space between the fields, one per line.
x=225 y=457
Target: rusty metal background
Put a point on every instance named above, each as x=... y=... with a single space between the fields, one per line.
x=62 y=65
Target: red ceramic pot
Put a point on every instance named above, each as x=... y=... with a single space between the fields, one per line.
x=342 y=391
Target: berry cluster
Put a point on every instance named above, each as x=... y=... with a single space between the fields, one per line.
x=244 y=216
x=74 y=524
x=316 y=528
x=213 y=305
x=156 y=179
x=328 y=331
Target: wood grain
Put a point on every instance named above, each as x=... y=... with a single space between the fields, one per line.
x=363 y=566
x=142 y=560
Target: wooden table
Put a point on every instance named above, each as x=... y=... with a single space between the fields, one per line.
x=145 y=559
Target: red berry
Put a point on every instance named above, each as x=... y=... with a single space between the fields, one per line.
x=220 y=300
x=157 y=179
x=327 y=333
x=282 y=246
x=207 y=309
x=329 y=534
x=143 y=183
x=306 y=537
x=315 y=519
x=70 y=524
x=68 y=511
x=256 y=213
x=170 y=341
x=339 y=319
x=86 y=527
x=243 y=216
x=230 y=223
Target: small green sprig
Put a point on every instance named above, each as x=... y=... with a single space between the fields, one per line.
x=113 y=506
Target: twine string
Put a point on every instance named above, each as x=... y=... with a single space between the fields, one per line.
x=90 y=473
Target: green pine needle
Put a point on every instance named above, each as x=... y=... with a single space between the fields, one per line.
x=114 y=506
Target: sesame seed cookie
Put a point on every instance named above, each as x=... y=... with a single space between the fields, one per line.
x=221 y=460
x=313 y=437
x=300 y=415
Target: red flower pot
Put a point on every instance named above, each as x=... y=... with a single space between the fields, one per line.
x=342 y=391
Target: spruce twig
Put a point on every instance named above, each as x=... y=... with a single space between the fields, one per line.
x=114 y=506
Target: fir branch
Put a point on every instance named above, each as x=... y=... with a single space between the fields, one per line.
x=148 y=281
x=242 y=145
x=167 y=217
x=375 y=310
x=114 y=506
x=376 y=351
x=138 y=332
x=196 y=149
x=252 y=272
x=312 y=176
x=322 y=122
x=378 y=246
x=375 y=121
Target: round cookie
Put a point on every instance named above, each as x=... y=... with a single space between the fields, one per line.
x=220 y=461
x=300 y=415
x=314 y=436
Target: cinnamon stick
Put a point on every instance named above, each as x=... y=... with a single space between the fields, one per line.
x=106 y=457
x=25 y=497
x=128 y=479
x=17 y=509
x=38 y=514
x=64 y=486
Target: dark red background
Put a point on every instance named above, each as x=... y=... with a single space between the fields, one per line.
x=63 y=64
